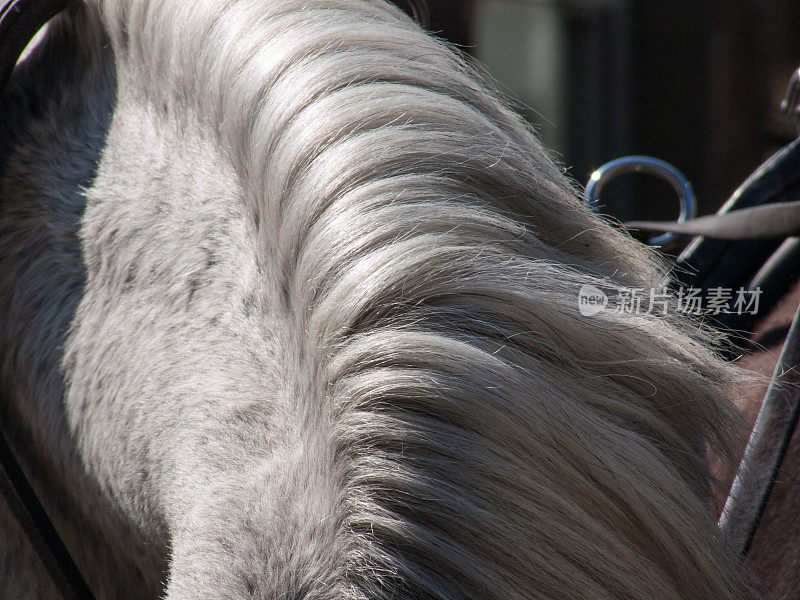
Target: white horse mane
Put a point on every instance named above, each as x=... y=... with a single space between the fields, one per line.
x=324 y=340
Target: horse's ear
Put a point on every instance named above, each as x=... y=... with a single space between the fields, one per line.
x=19 y=22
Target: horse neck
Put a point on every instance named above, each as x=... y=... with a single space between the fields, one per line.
x=314 y=350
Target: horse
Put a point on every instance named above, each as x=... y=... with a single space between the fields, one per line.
x=289 y=308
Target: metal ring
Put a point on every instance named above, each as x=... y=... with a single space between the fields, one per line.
x=652 y=166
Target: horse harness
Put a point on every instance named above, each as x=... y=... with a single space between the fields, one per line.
x=739 y=245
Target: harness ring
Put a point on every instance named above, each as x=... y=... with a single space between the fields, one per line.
x=644 y=164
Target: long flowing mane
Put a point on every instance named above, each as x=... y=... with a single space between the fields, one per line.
x=329 y=342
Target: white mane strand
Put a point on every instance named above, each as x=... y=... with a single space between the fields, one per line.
x=478 y=436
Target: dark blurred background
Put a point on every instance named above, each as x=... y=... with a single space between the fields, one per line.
x=697 y=83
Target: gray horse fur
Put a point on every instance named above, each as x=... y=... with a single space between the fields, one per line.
x=288 y=310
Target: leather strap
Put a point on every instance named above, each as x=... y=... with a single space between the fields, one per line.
x=767 y=221
x=766 y=447
x=32 y=518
